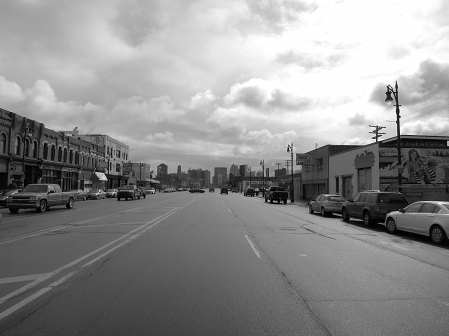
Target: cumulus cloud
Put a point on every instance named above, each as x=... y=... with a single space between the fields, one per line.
x=358 y=120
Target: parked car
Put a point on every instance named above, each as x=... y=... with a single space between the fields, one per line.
x=96 y=194
x=151 y=190
x=428 y=218
x=276 y=194
x=326 y=204
x=5 y=193
x=80 y=195
x=234 y=190
x=224 y=191
x=249 y=192
x=167 y=190
x=111 y=193
x=372 y=207
x=196 y=190
x=40 y=197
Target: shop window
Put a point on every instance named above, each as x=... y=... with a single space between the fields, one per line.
x=3 y=143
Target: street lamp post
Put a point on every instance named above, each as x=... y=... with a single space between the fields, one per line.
x=389 y=101
x=262 y=163
x=290 y=149
x=29 y=132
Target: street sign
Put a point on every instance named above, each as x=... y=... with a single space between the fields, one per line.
x=302 y=159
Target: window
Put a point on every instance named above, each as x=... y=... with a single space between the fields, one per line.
x=392 y=198
x=53 y=152
x=356 y=198
x=319 y=164
x=118 y=154
x=18 y=145
x=71 y=157
x=45 y=153
x=35 y=149
x=337 y=184
x=117 y=167
x=3 y=143
x=413 y=208
x=65 y=155
x=59 y=154
x=307 y=168
x=429 y=208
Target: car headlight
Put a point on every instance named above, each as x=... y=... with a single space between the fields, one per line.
x=9 y=199
x=33 y=198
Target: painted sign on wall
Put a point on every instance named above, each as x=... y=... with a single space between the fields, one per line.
x=419 y=165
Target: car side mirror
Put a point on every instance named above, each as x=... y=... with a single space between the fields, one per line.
x=401 y=210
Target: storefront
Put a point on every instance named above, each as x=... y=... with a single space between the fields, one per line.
x=70 y=179
x=99 y=180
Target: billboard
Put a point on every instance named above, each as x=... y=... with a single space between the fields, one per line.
x=418 y=165
x=127 y=168
x=302 y=159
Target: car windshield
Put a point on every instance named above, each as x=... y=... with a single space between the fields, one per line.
x=93 y=191
x=127 y=188
x=109 y=190
x=446 y=205
x=36 y=188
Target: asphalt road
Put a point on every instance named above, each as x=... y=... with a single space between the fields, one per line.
x=211 y=264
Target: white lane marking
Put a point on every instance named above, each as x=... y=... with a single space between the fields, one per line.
x=302 y=255
x=58 y=282
x=49 y=275
x=253 y=247
x=394 y=245
x=22 y=278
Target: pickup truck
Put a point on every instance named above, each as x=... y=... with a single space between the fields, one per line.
x=131 y=191
x=40 y=197
x=276 y=194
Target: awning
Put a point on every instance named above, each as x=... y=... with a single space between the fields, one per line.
x=154 y=181
x=98 y=177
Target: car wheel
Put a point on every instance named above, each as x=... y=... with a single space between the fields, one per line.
x=84 y=198
x=437 y=235
x=311 y=209
x=323 y=212
x=285 y=201
x=70 y=204
x=344 y=215
x=118 y=198
x=391 y=225
x=42 y=206
x=367 y=218
x=13 y=210
x=266 y=200
x=271 y=200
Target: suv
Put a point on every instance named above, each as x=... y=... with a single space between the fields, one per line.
x=372 y=207
x=224 y=191
x=249 y=192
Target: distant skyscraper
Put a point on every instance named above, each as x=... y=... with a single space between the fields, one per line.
x=179 y=169
x=206 y=178
x=220 y=175
x=234 y=170
x=244 y=170
x=162 y=170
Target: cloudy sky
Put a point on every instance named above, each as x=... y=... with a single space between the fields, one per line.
x=205 y=83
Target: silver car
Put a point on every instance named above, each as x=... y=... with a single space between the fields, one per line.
x=428 y=218
x=326 y=204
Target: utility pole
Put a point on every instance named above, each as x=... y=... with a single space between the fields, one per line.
x=376 y=131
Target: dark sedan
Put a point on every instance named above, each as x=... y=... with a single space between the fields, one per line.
x=196 y=190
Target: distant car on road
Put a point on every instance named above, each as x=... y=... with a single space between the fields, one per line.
x=111 y=193
x=196 y=190
x=151 y=190
x=224 y=191
x=326 y=204
x=234 y=190
x=249 y=192
x=211 y=189
x=96 y=194
x=428 y=218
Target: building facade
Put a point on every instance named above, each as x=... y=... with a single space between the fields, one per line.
x=424 y=167
x=220 y=175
